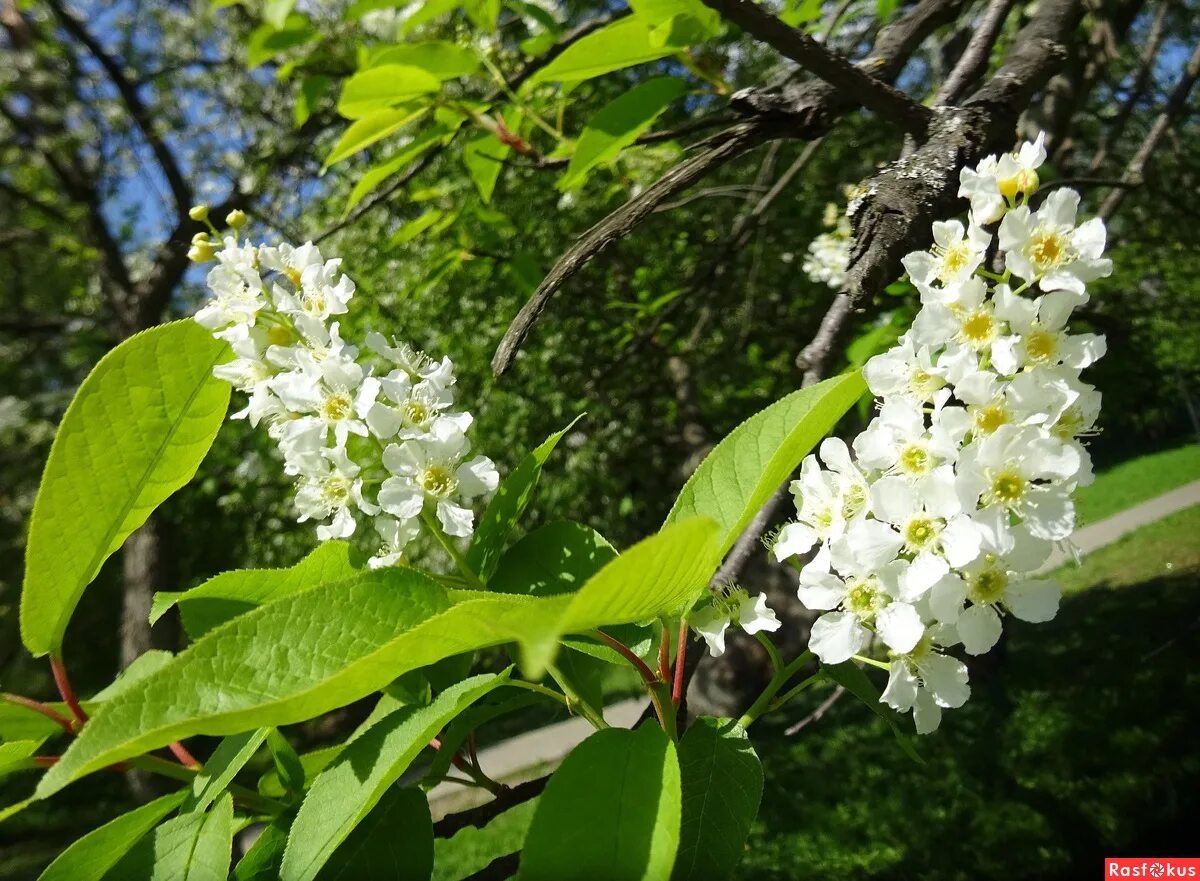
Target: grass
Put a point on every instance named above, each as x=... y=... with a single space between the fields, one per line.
x=1136 y=481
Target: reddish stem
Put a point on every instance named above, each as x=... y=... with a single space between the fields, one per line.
x=45 y=761
x=664 y=658
x=628 y=654
x=185 y=758
x=680 y=663
x=64 y=688
x=39 y=707
x=457 y=760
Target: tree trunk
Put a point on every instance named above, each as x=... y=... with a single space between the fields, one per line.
x=145 y=560
x=146 y=568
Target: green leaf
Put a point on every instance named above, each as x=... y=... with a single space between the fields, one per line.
x=722 y=782
x=483 y=13
x=484 y=157
x=233 y=593
x=312 y=89
x=192 y=847
x=315 y=651
x=735 y=480
x=618 y=124
x=375 y=127
x=135 y=432
x=275 y=12
x=380 y=172
x=878 y=338
x=556 y=558
x=141 y=667
x=659 y=12
x=614 y=803
x=799 y=12
x=266 y=42
x=387 y=85
x=91 y=856
x=261 y=862
x=287 y=764
x=14 y=755
x=441 y=59
x=347 y=791
x=395 y=842
x=505 y=510
x=222 y=766
x=851 y=677
x=414 y=228
x=884 y=9
x=429 y=10
x=622 y=43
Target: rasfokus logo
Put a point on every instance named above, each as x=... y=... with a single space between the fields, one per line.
x=1151 y=867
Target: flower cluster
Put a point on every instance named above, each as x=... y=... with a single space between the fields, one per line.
x=828 y=255
x=928 y=528
x=368 y=433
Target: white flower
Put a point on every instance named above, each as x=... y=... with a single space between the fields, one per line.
x=1040 y=338
x=925 y=681
x=997 y=581
x=1046 y=247
x=335 y=494
x=752 y=614
x=825 y=500
x=238 y=297
x=998 y=183
x=956 y=254
x=868 y=582
x=929 y=518
x=906 y=370
x=970 y=320
x=414 y=363
x=1022 y=470
x=898 y=440
x=432 y=468
x=395 y=535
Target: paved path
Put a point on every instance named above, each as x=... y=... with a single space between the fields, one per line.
x=547 y=746
x=1116 y=527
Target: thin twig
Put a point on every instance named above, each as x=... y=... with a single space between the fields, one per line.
x=1136 y=169
x=816 y=714
x=38 y=707
x=63 y=683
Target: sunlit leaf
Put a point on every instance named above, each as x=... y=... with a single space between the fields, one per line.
x=135 y=432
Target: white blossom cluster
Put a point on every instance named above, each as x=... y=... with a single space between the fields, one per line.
x=368 y=434
x=928 y=527
x=828 y=255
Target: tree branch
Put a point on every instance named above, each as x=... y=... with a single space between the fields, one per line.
x=1137 y=89
x=731 y=144
x=181 y=191
x=1136 y=169
x=484 y=814
x=973 y=61
x=857 y=84
x=804 y=113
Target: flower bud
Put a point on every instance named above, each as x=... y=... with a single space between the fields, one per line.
x=236 y=218
x=200 y=238
x=198 y=213
x=201 y=252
